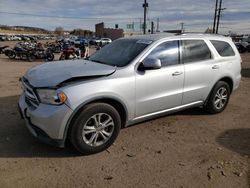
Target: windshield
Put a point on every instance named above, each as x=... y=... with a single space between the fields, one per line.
x=120 y=52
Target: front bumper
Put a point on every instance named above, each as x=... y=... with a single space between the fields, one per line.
x=47 y=122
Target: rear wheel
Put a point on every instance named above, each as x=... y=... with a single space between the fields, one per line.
x=219 y=98
x=95 y=128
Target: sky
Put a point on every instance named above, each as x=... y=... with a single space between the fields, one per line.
x=197 y=15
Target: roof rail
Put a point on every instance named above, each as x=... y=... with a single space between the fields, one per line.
x=201 y=33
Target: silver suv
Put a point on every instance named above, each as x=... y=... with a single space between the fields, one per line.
x=129 y=81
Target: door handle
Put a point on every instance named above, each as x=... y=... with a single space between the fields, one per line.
x=215 y=67
x=177 y=73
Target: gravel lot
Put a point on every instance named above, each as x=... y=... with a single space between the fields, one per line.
x=186 y=149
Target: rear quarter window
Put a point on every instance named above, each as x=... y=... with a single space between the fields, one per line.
x=223 y=48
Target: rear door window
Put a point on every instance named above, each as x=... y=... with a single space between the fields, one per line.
x=223 y=48
x=195 y=51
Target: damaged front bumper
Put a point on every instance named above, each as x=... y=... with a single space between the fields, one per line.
x=47 y=122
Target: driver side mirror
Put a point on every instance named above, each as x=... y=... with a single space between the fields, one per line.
x=150 y=64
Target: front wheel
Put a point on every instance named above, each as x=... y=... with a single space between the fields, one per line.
x=11 y=54
x=95 y=128
x=219 y=98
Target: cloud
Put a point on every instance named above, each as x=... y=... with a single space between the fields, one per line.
x=196 y=14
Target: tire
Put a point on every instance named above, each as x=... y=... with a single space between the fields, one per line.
x=31 y=57
x=23 y=56
x=11 y=54
x=87 y=136
x=50 y=57
x=218 y=98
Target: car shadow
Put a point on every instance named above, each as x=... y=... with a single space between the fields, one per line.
x=193 y=111
x=237 y=140
x=15 y=139
x=245 y=72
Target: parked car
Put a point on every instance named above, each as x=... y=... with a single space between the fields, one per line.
x=92 y=41
x=243 y=47
x=131 y=80
x=98 y=41
x=15 y=38
x=81 y=41
x=105 y=41
x=3 y=38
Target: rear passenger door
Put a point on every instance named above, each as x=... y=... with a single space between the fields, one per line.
x=201 y=70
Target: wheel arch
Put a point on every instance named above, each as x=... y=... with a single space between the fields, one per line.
x=116 y=103
x=226 y=79
x=229 y=81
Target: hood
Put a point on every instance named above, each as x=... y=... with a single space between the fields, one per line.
x=53 y=73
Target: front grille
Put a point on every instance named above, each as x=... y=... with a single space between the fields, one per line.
x=30 y=96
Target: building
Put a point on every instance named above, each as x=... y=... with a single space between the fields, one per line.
x=117 y=30
x=112 y=33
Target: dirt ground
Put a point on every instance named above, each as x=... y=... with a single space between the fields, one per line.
x=186 y=149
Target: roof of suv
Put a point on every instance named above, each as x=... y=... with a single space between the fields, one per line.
x=155 y=37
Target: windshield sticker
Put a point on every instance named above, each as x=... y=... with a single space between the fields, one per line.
x=144 y=41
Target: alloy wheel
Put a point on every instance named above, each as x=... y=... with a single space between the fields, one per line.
x=98 y=129
x=221 y=98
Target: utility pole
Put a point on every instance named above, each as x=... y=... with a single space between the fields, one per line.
x=158 y=25
x=182 y=27
x=145 y=6
x=215 y=15
x=218 y=19
x=152 y=27
x=219 y=16
x=140 y=25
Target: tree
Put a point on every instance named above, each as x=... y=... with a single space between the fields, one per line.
x=59 y=31
x=82 y=32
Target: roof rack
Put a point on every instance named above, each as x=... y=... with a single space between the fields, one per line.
x=185 y=33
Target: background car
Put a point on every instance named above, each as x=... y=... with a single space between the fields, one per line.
x=105 y=41
x=243 y=47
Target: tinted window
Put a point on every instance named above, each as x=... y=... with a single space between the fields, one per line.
x=120 y=52
x=223 y=48
x=167 y=52
x=195 y=50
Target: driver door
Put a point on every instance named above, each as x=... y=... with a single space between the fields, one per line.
x=160 y=89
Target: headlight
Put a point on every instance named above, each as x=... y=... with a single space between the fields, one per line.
x=51 y=96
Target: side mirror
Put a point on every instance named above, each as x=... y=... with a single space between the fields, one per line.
x=151 y=64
